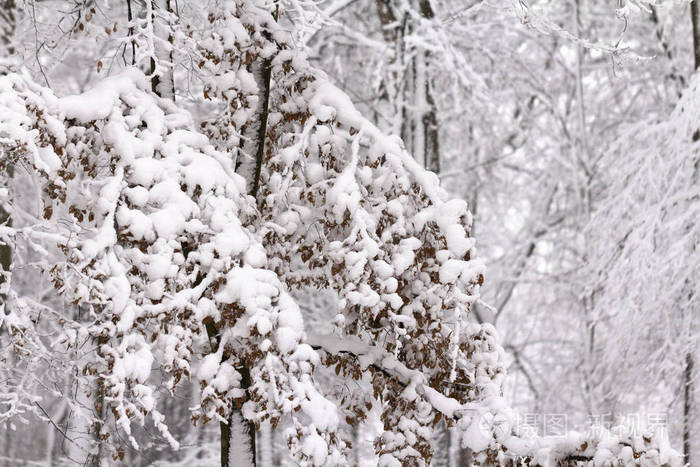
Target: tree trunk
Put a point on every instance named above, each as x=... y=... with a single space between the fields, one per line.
x=356 y=443
x=275 y=448
x=95 y=460
x=250 y=158
x=688 y=393
x=673 y=73
x=465 y=457
x=695 y=19
x=238 y=435
x=412 y=93
x=5 y=250
x=263 y=448
x=8 y=23
x=430 y=131
x=430 y=145
x=162 y=79
x=130 y=17
x=687 y=406
x=442 y=456
x=387 y=19
x=398 y=87
x=255 y=132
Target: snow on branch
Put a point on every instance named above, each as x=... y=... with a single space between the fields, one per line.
x=344 y=207
x=154 y=249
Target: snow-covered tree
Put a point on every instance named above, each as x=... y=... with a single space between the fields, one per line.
x=179 y=244
x=648 y=241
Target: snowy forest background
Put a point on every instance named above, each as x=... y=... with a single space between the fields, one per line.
x=569 y=127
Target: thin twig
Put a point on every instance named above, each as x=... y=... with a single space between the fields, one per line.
x=48 y=417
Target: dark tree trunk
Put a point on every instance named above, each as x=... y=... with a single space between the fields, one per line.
x=673 y=73
x=276 y=451
x=431 y=144
x=236 y=426
x=162 y=82
x=252 y=150
x=356 y=443
x=130 y=17
x=413 y=93
x=387 y=18
x=95 y=460
x=236 y=423
x=8 y=22
x=250 y=168
x=465 y=457
x=260 y=133
x=430 y=129
x=695 y=19
x=687 y=406
x=689 y=359
x=5 y=250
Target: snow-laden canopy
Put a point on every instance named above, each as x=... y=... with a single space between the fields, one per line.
x=647 y=258
x=148 y=216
